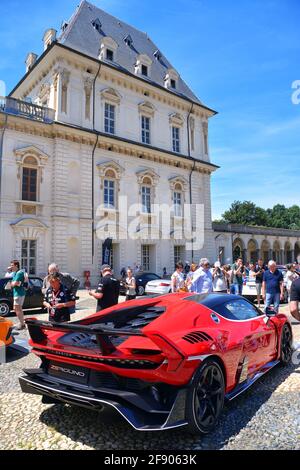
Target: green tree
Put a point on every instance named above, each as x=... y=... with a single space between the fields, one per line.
x=245 y=213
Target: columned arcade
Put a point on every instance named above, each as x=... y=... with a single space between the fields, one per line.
x=251 y=243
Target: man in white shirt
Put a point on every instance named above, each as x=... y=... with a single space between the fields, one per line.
x=202 y=282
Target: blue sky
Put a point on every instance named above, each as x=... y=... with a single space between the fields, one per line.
x=240 y=58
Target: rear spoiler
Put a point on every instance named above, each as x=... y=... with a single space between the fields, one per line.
x=174 y=355
x=36 y=327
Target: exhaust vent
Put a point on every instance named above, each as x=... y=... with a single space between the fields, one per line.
x=197 y=337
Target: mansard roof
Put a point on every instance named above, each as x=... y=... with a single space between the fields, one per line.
x=82 y=35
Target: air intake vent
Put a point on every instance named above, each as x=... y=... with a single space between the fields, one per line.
x=197 y=337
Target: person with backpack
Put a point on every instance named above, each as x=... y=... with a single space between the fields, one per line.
x=17 y=285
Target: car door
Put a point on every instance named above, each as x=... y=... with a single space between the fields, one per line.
x=258 y=337
x=34 y=294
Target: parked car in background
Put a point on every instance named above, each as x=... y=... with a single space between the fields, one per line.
x=141 y=278
x=159 y=286
x=33 y=297
x=249 y=287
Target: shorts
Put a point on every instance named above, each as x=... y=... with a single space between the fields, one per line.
x=258 y=288
x=19 y=301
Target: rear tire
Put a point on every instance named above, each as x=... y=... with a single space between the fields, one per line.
x=286 y=345
x=205 y=398
x=140 y=290
x=4 y=308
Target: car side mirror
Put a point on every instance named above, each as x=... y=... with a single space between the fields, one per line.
x=270 y=312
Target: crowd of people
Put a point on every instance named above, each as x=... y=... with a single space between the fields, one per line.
x=60 y=289
x=269 y=280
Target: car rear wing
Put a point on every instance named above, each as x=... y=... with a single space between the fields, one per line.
x=37 y=333
x=37 y=330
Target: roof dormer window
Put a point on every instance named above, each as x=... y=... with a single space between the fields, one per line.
x=110 y=55
x=97 y=24
x=108 y=49
x=145 y=70
x=128 y=40
x=171 y=79
x=157 y=54
x=143 y=65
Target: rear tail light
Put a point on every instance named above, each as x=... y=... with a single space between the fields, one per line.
x=164 y=284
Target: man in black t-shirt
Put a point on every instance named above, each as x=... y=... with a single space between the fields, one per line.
x=295 y=299
x=58 y=300
x=107 y=292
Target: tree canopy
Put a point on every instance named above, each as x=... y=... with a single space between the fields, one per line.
x=248 y=213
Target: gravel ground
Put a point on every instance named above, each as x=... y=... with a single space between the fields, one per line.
x=267 y=416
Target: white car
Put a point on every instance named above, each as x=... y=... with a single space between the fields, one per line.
x=249 y=288
x=159 y=286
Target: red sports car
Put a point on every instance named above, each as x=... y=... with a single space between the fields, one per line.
x=161 y=362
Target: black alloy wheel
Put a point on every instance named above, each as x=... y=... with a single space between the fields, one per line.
x=205 y=398
x=286 y=347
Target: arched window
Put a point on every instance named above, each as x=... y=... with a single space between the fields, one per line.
x=109 y=189
x=178 y=186
x=110 y=173
x=178 y=199
x=146 y=194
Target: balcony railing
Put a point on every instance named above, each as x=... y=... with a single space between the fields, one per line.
x=28 y=110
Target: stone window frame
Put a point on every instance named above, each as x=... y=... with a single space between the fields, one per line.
x=176 y=121
x=179 y=184
x=30 y=228
x=38 y=161
x=146 y=109
x=112 y=97
x=147 y=178
x=110 y=171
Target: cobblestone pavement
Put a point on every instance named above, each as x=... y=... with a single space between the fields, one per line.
x=267 y=416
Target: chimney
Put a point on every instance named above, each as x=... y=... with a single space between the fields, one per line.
x=30 y=60
x=49 y=37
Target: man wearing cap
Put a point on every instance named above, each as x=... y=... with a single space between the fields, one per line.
x=107 y=292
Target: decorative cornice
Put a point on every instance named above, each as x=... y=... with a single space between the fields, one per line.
x=125 y=80
x=110 y=143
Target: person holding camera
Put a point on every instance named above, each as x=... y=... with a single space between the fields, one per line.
x=259 y=274
x=238 y=271
x=220 y=276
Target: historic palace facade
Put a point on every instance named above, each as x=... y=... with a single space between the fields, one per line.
x=99 y=115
